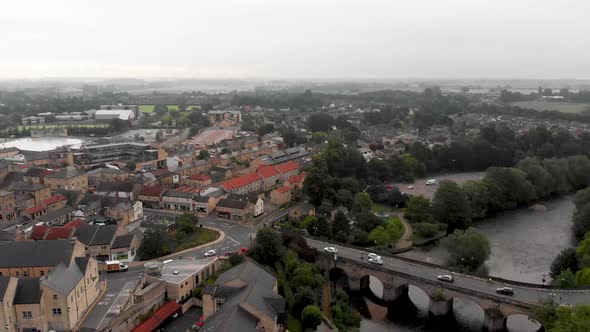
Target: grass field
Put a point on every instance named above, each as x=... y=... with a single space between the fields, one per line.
x=381 y=209
x=150 y=108
x=564 y=107
x=202 y=236
x=63 y=126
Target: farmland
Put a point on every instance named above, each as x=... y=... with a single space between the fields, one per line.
x=565 y=107
x=150 y=108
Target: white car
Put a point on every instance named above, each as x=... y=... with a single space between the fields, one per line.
x=445 y=278
x=431 y=182
x=376 y=260
x=373 y=256
x=331 y=250
x=210 y=253
x=411 y=186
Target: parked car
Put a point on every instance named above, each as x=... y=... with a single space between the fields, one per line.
x=210 y=253
x=445 y=278
x=505 y=291
x=331 y=250
x=411 y=186
x=376 y=260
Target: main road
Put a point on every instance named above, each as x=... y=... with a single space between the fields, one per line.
x=530 y=294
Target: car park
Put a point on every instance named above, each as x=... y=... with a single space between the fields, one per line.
x=445 y=278
x=505 y=291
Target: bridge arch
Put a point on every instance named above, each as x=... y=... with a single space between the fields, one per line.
x=419 y=296
x=468 y=309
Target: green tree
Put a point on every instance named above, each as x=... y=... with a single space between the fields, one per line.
x=319 y=137
x=538 y=176
x=565 y=279
x=566 y=259
x=311 y=317
x=450 y=207
x=582 y=277
x=160 y=110
x=476 y=193
x=154 y=243
x=581 y=220
x=303 y=297
x=418 y=209
x=268 y=246
x=340 y=226
x=236 y=259
x=187 y=223
x=306 y=275
x=468 y=249
x=388 y=235
x=204 y=154
x=343 y=197
x=320 y=122
x=583 y=251
x=317 y=182
x=362 y=203
x=426 y=229
x=316 y=226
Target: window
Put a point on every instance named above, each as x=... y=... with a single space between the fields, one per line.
x=27 y=315
x=218 y=304
x=103 y=247
x=42 y=272
x=0 y=274
x=55 y=296
x=25 y=274
x=56 y=311
x=18 y=273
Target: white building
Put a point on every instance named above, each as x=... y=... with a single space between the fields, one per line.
x=114 y=114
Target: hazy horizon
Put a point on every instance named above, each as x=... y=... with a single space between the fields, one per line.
x=295 y=40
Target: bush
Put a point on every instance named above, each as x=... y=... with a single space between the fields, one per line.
x=426 y=229
x=566 y=259
x=236 y=259
x=311 y=317
x=198 y=293
x=468 y=249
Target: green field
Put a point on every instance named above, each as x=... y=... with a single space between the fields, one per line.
x=150 y=108
x=565 y=107
x=49 y=126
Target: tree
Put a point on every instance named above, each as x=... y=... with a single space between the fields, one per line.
x=450 y=207
x=537 y=175
x=468 y=249
x=187 y=223
x=343 y=197
x=316 y=226
x=154 y=243
x=566 y=259
x=426 y=229
x=159 y=136
x=388 y=235
x=236 y=259
x=476 y=193
x=320 y=122
x=418 y=209
x=317 y=181
x=160 y=110
x=362 y=203
x=306 y=275
x=268 y=246
x=340 y=225
x=565 y=279
x=583 y=251
x=319 y=137
x=581 y=220
x=131 y=165
x=204 y=154
x=582 y=277
x=303 y=297
x=311 y=317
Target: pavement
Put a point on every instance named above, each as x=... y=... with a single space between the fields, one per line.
x=236 y=237
x=420 y=187
x=525 y=294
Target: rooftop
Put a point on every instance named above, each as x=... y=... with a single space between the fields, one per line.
x=27 y=253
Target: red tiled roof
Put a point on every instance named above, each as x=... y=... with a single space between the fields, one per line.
x=187 y=189
x=151 y=191
x=54 y=199
x=58 y=233
x=267 y=171
x=283 y=189
x=158 y=317
x=241 y=181
x=160 y=172
x=76 y=223
x=200 y=177
x=38 y=232
x=297 y=178
x=35 y=209
x=288 y=167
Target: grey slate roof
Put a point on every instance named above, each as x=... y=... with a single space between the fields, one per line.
x=63 y=279
x=65 y=173
x=29 y=187
x=257 y=292
x=82 y=263
x=122 y=241
x=28 y=291
x=34 y=172
x=232 y=204
x=4 y=280
x=35 y=253
x=94 y=235
x=179 y=194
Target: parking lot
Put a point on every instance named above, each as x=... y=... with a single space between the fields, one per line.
x=421 y=188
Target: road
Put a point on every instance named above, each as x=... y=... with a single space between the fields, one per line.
x=118 y=284
x=526 y=294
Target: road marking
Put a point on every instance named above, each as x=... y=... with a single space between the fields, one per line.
x=123 y=290
x=229 y=237
x=224 y=248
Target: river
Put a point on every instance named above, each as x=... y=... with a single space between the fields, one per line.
x=523 y=244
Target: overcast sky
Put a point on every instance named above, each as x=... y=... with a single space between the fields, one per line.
x=295 y=39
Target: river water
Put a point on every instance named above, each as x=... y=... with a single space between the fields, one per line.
x=523 y=244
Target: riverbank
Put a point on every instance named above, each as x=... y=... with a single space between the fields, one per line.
x=523 y=241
